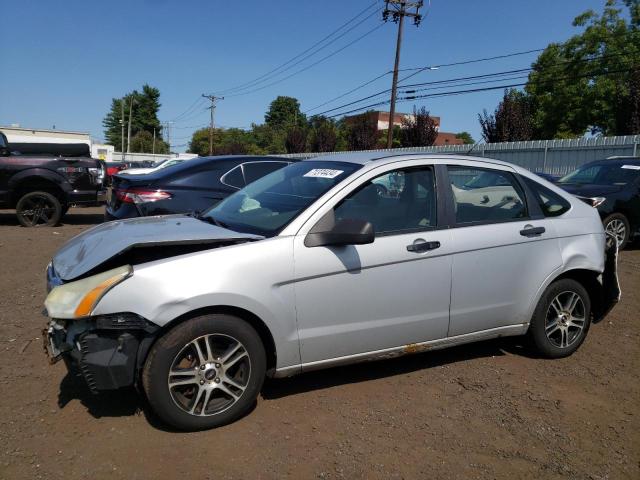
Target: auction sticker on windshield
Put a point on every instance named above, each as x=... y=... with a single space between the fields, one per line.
x=323 y=173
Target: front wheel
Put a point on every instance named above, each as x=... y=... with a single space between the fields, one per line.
x=36 y=209
x=561 y=320
x=205 y=372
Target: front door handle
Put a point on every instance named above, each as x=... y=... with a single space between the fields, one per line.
x=530 y=231
x=422 y=246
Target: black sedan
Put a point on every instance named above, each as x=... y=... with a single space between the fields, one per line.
x=191 y=186
x=613 y=187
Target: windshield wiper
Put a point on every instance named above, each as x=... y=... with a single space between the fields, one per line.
x=211 y=220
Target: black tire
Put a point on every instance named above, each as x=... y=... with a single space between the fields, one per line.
x=618 y=220
x=37 y=209
x=548 y=339
x=171 y=353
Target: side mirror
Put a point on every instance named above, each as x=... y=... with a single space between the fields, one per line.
x=4 y=152
x=348 y=231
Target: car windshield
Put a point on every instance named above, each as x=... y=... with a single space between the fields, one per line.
x=603 y=174
x=267 y=205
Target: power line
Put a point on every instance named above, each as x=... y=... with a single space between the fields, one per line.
x=191 y=107
x=447 y=81
x=347 y=93
x=270 y=73
x=476 y=90
x=297 y=72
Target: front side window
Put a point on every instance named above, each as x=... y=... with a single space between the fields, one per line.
x=551 y=204
x=398 y=201
x=267 y=205
x=483 y=195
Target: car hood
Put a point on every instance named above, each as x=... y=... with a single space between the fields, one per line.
x=102 y=243
x=590 y=190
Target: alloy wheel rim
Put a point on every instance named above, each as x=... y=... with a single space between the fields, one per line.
x=565 y=319
x=209 y=375
x=617 y=229
x=38 y=210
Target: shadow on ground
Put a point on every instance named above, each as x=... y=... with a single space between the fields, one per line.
x=75 y=216
x=129 y=401
x=366 y=371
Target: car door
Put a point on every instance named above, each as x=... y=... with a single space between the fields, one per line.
x=503 y=248
x=393 y=292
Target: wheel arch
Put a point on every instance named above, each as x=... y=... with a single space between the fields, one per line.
x=590 y=280
x=251 y=318
x=36 y=183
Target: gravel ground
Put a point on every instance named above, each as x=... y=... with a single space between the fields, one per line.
x=488 y=410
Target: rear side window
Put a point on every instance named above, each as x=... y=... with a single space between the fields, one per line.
x=485 y=196
x=255 y=170
x=551 y=204
x=234 y=177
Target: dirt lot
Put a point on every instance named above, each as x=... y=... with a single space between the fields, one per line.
x=481 y=411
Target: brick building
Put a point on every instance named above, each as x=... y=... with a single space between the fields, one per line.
x=381 y=121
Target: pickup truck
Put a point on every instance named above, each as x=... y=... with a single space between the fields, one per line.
x=42 y=180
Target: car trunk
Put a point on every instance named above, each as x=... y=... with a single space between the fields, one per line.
x=122 y=183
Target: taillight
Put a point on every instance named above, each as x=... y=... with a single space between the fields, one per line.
x=139 y=195
x=112 y=171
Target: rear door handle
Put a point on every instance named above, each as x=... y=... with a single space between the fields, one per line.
x=529 y=231
x=422 y=246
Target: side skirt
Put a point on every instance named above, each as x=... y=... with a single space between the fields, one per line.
x=508 y=331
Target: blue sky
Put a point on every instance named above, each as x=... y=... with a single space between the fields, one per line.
x=63 y=62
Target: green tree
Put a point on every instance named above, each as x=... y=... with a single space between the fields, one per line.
x=512 y=121
x=587 y=83
x=284 y=112
x=419 y=129
x=466 y=138
x=296 y=140
x=144 y=116
x=362 y=132
x=231 y=141
x=142 y=142
x=324 y=134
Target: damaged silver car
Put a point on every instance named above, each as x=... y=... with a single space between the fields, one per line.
x=326 y=262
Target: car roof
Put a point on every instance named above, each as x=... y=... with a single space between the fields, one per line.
x=617 y=161
x=365 y=158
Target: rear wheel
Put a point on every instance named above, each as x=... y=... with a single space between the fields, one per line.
x=36 y=209
x=561 y=320
x=618 y=227
x=204 y=373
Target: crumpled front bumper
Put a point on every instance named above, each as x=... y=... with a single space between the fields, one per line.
x=106 y=350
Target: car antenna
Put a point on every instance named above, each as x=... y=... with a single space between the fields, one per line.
x=474 y=146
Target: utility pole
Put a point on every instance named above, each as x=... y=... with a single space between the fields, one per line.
x=168 y=129
x=398 y=9
x=213 y=99
x=129 y=126
x=122 y=124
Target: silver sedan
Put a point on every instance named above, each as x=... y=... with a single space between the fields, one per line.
x=326 y=262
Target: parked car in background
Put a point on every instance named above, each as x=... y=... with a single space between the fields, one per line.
x=42 y=180
x=143 y=171
x=312 y=267
x=191 y=186
x=613 y=187
x=548 y=176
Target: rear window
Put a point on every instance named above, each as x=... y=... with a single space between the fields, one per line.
x=551 y=204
